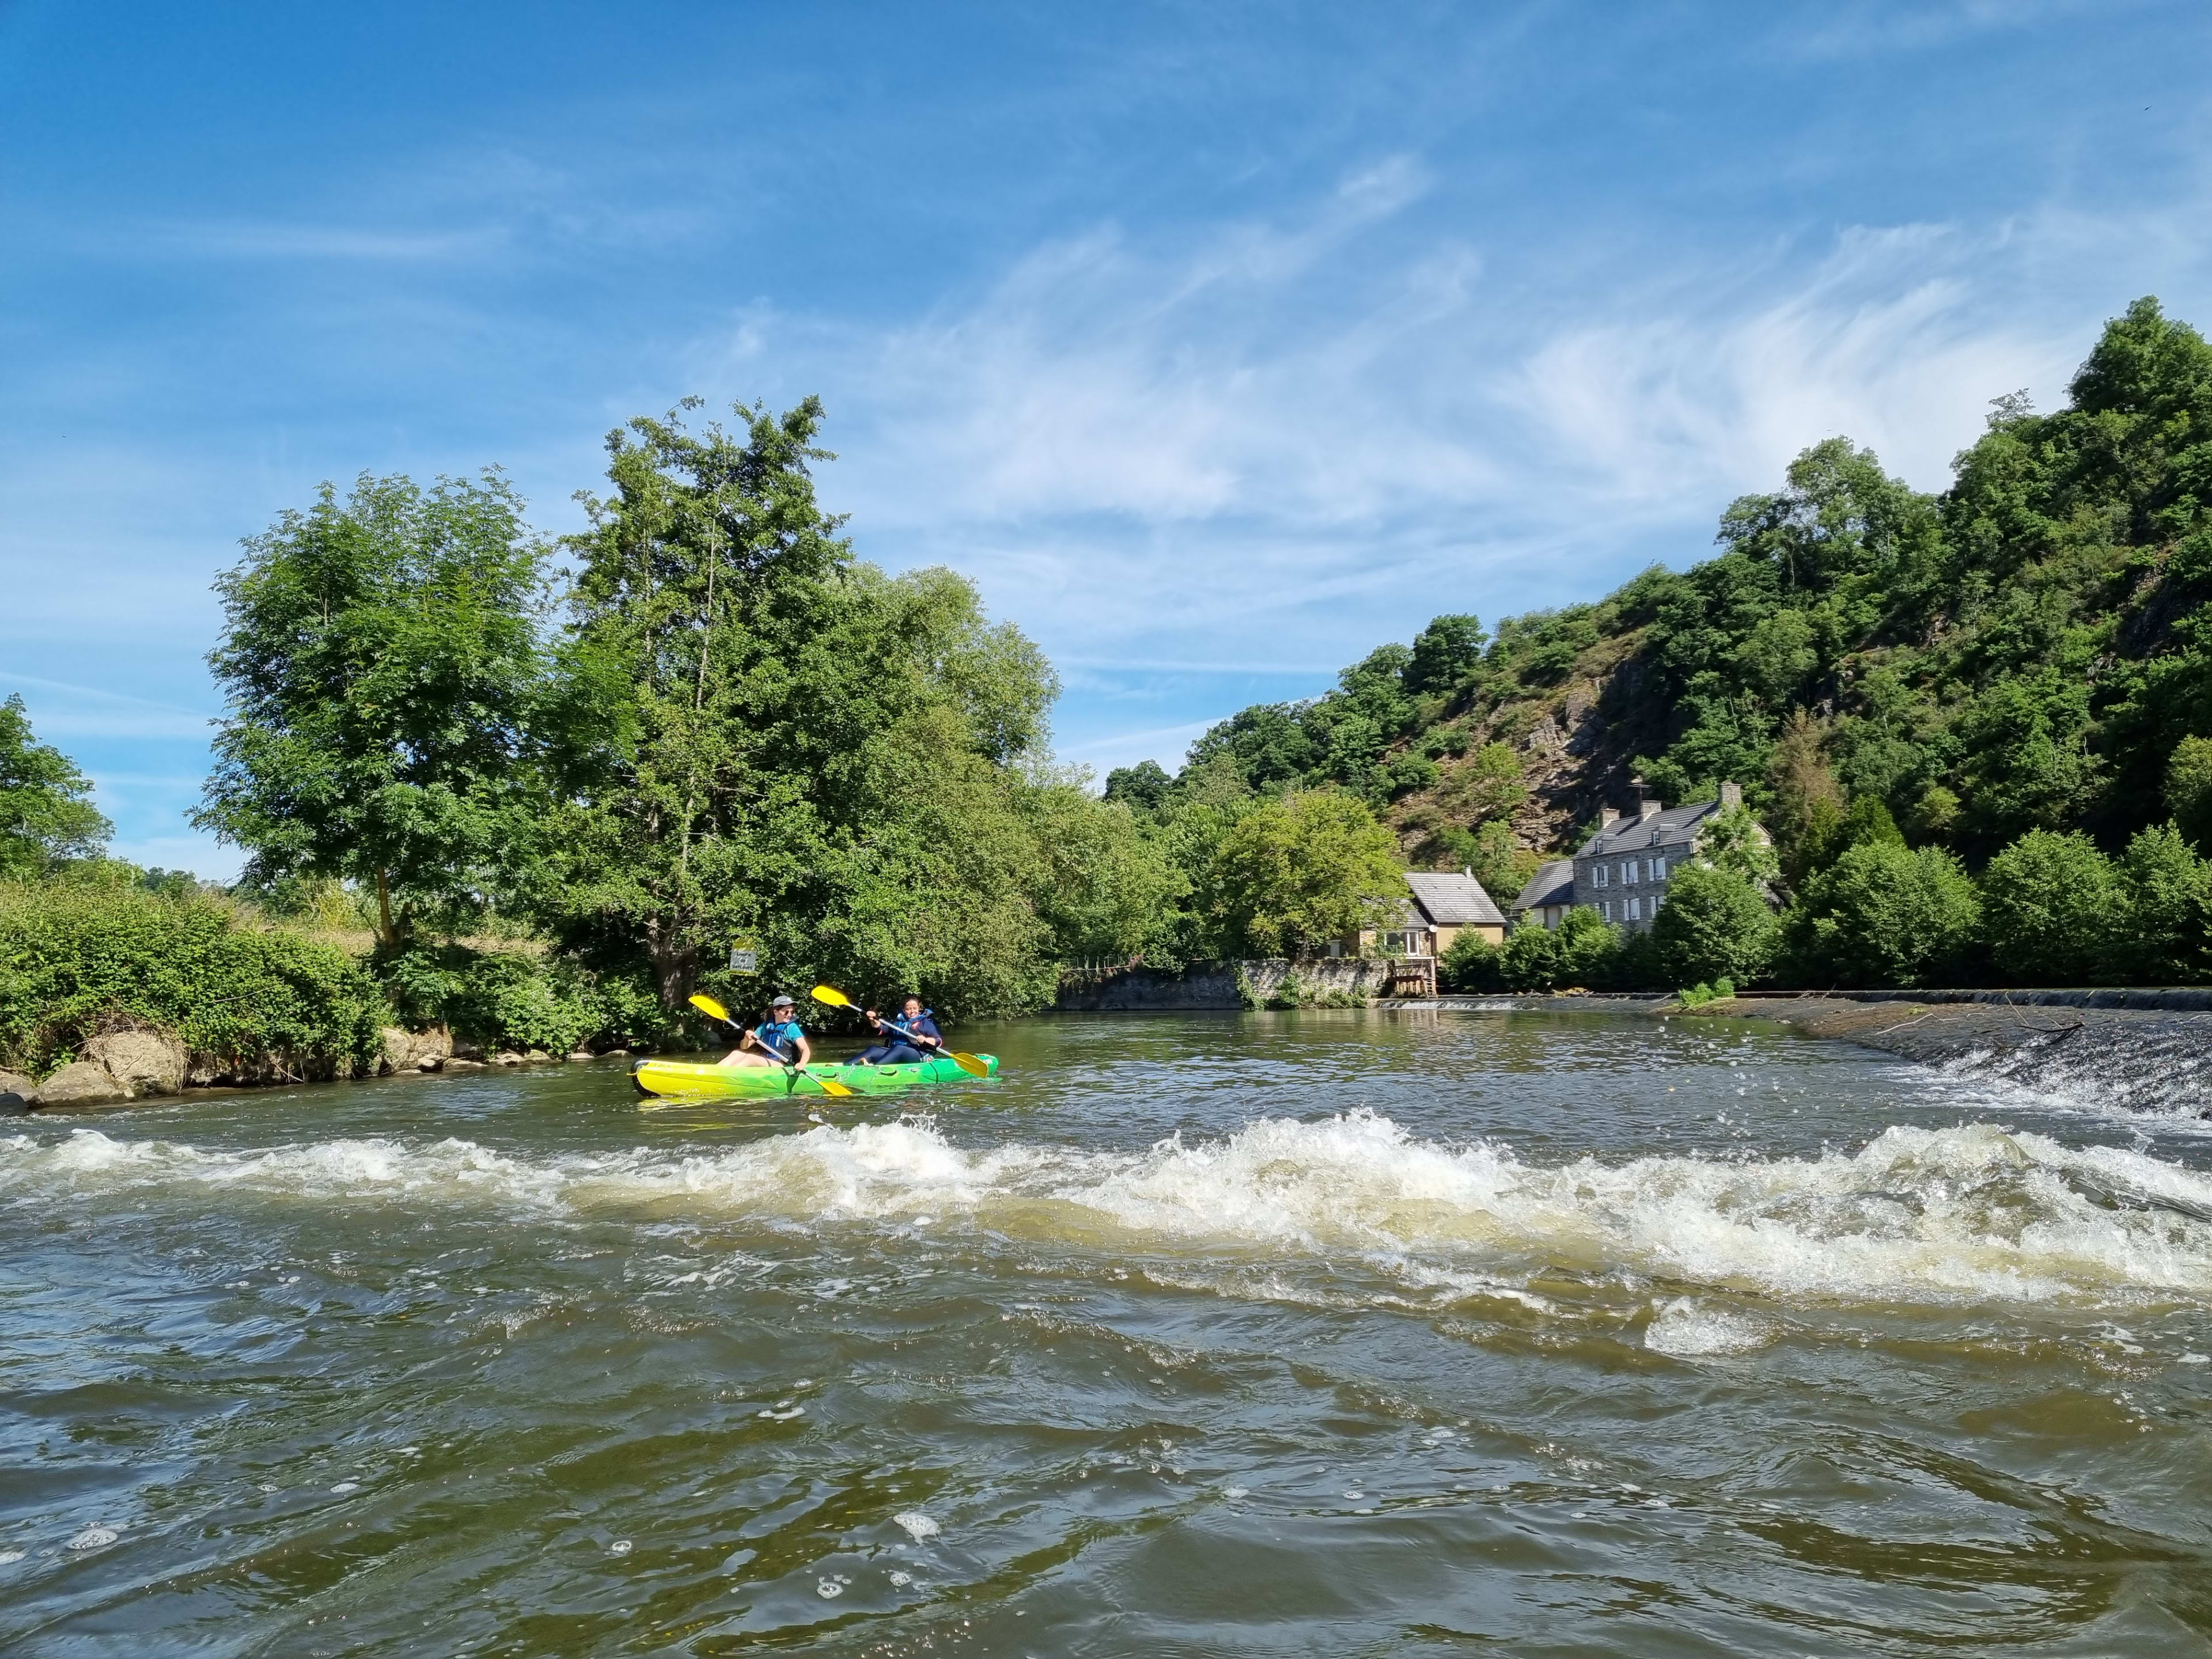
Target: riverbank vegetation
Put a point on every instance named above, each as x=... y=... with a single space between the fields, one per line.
x=537 y=791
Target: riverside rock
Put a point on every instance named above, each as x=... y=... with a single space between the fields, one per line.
x=81 y=1083
x=140 y=1062
x=415 y=1051
x=17 y=1092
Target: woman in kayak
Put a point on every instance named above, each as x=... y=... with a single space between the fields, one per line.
x=776 y=1041
x=910 y=1037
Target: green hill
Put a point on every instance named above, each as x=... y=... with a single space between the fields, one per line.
x=2031 y=647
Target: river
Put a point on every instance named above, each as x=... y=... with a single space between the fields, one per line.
x=1319 y=1334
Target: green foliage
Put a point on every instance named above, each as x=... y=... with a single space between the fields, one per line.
x=790 y=747
x=80 y=957
x=1296 y=873
x=518 y=999
x=46 y=814
x=2050 y=901
x=1884 y=916
x=1104 y=885
x=1142 y=787
x=386 y=679
x=1444 y=654
x=1472 y=964
x=2166 y=935
x=1499 y=862
x=1698 y=995
x=1734 y=841
x=2188 y=788
x=1584 y=951
x=1715 y=922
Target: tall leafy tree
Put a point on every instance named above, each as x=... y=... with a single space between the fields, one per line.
x=796 y=749
x=384 y=663
x=46 y=813
x=1295 y=872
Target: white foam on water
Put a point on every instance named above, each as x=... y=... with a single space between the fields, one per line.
x=1687 y=1328
x=94 y=1538
x=1968 y=1213
x=918 y=1526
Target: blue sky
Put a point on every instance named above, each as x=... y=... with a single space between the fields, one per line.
x=1219 y=343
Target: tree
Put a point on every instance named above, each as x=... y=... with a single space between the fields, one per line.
x=1102 y=885
x=46 y=813
x=1498 y=861
x=1145 y=786
x=2048 y=905
x=2166 y=938
x=1313 y=867
x=1444 y=652
x=384 y=671
x=791 y=748
x=1714 y=925
x=1530 y=960
x=1882 y=915
x=2189 y=788
x=1809 y=802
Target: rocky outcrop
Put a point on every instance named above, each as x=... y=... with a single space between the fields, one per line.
x=18 y=1093
x=140 y=1062
x=82 y=1083
x=415 y=1051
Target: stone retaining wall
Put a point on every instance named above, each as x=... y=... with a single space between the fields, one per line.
x=1213 y=985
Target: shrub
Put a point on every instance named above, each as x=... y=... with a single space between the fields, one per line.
x=77 y=958
x=1530 y=960
x=1714 y=922
x=2049 y=902
x=1472 y=962
x=512 y=999
x=2166 y=892
x=1584 y=951
x=1881 y=915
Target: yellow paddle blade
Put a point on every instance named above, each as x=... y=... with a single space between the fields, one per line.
x=830 y=1086
x=971 y=1064
x=713 y=1010
x=832 y=995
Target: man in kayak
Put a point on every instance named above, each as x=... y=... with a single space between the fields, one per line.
x=776 y=1041
x=909 y=1037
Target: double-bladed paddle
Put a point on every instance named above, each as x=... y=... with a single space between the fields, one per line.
x=713 y=1010
x=973 y=1065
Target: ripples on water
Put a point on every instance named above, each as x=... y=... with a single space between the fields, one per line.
x=1543 y=1332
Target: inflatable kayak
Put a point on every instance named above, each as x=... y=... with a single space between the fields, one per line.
x=669 y=1077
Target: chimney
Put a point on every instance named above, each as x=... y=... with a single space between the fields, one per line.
x=1731 y=796
x=1607 y=816
x=1648 y=809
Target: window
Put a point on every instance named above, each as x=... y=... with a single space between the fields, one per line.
x=1606 y=908
x=1654 y=869
x=1636 y=909
x=1602 y=872
x=1628 y=874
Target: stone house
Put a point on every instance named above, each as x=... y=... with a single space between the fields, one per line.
x=1622 y=871
x=1548 y=896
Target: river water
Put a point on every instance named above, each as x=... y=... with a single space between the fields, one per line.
x=1317 y=1333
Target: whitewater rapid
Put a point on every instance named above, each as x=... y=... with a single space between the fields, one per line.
x=1972 y=1213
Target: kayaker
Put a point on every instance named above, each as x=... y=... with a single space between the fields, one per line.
x=909 y=1037
x=776 y=1041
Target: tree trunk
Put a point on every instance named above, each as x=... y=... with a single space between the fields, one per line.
x=386 y=934
x=673 y=964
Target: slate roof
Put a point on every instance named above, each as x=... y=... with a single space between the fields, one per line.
x=1452 y=899
x=1633 y=835
x=1553 y=883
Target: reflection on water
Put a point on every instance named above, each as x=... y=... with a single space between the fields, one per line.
x=1304 y=1334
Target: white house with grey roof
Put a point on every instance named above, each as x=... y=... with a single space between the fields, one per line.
x=1623 y=869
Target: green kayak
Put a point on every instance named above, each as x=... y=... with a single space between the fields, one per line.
x=671 y=1077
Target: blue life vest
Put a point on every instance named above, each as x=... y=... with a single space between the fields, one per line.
x=779 y=1036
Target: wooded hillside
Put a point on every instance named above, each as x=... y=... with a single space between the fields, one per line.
x=2033 y=647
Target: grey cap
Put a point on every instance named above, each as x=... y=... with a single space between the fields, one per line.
x=781 y=1002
